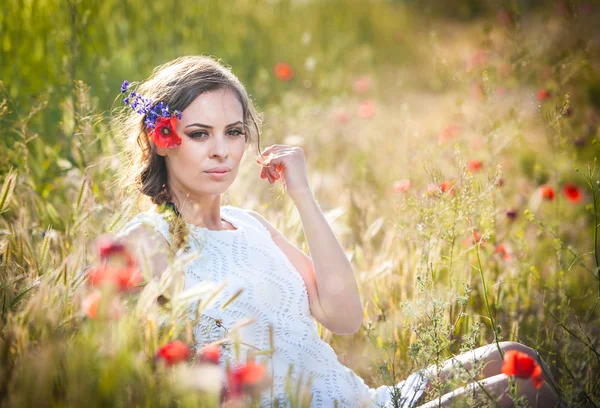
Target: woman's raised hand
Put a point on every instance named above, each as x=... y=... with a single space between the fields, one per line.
x=287 y=163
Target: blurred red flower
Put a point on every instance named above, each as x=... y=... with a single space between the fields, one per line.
x=547 y=192
x=173 y=352
x=447 y=186
x=342 y=117
x=164 y=133
x=474 y=165
x=123 y=278
x=250 y=377
x=362 y=85
x=90 y=304
x=366 y=109
x=501 y=249
x=211 y=353
x=542 y=95
x=476 y=236
x=449 y=132
x=572 y=193
x=402 y=185
x=476 y=59
x=521 y=365
x=504 y=17
x=283 y=71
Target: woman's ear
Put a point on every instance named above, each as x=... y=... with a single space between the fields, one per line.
x=161 y=151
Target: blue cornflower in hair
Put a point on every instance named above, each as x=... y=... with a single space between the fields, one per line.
x=158 y=119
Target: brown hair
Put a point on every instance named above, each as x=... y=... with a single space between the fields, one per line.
x=176 y=83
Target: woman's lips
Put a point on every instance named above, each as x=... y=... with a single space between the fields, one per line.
x=216 y=175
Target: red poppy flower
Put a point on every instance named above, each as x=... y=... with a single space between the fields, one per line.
x=362 y=85
x=173 y=352
x=449 y=132
x=401 y=186
x=547 y=192
x=476 y=59
x=366 y=109
x=122 y=277
x=521 y=365
x=209 y=354
x=501 y=249
x=164 y=133
x=476 y=236
x=342 y=117
x=90 y=304
x=447 y=186
x=542 y=95
x=474 y=165
x=249 y=377
x=572 y=193
x=283 y=71
x=113 y=251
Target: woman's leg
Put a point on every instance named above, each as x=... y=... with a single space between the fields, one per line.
x=486 y=356
x=497 y=387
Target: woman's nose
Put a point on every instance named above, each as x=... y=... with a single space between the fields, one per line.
x=220 y=147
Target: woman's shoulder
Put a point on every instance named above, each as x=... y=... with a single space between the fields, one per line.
x=249 y=217
x=146 y=222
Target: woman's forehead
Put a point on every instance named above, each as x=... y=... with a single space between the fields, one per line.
x=218 y=107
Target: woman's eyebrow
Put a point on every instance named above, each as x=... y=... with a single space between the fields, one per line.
x=210 y=127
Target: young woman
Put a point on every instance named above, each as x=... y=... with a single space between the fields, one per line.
x=186 y=152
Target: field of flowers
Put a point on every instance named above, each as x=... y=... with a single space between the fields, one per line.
x=454 y=151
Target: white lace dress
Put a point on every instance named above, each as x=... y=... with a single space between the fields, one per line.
x=274 y=294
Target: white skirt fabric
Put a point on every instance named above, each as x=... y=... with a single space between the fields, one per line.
x=410 y=391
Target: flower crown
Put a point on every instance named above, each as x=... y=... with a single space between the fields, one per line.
x=159 y=120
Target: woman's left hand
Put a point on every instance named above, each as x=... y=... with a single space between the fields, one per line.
x=287 y=163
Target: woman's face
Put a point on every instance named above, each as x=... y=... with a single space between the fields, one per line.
x=212 y=135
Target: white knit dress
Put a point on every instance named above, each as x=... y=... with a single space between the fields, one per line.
x=274 y=294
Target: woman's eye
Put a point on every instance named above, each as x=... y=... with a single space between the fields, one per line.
x=237 y=132
x=197 y=135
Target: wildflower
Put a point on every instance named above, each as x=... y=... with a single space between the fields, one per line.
x=209 y=354
x=505 y=17
x=90 y=303
x=476 y=59
x=501 y=91
x=542 y=95
x=366 y=109
x=283 y=71
x=250 y=377
x=474 y=165
x=173 y=352
x=164 y=133
x=547 y=192
x=447 y=186
x=124 y=86
x=402 y=185
x=501 y=249
x=476 y=236
x=342 y=117
x=521 y=365
x=361 y=85
x=123 y=278
x=449 y=132
x=511 y=213
x=572 y=193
